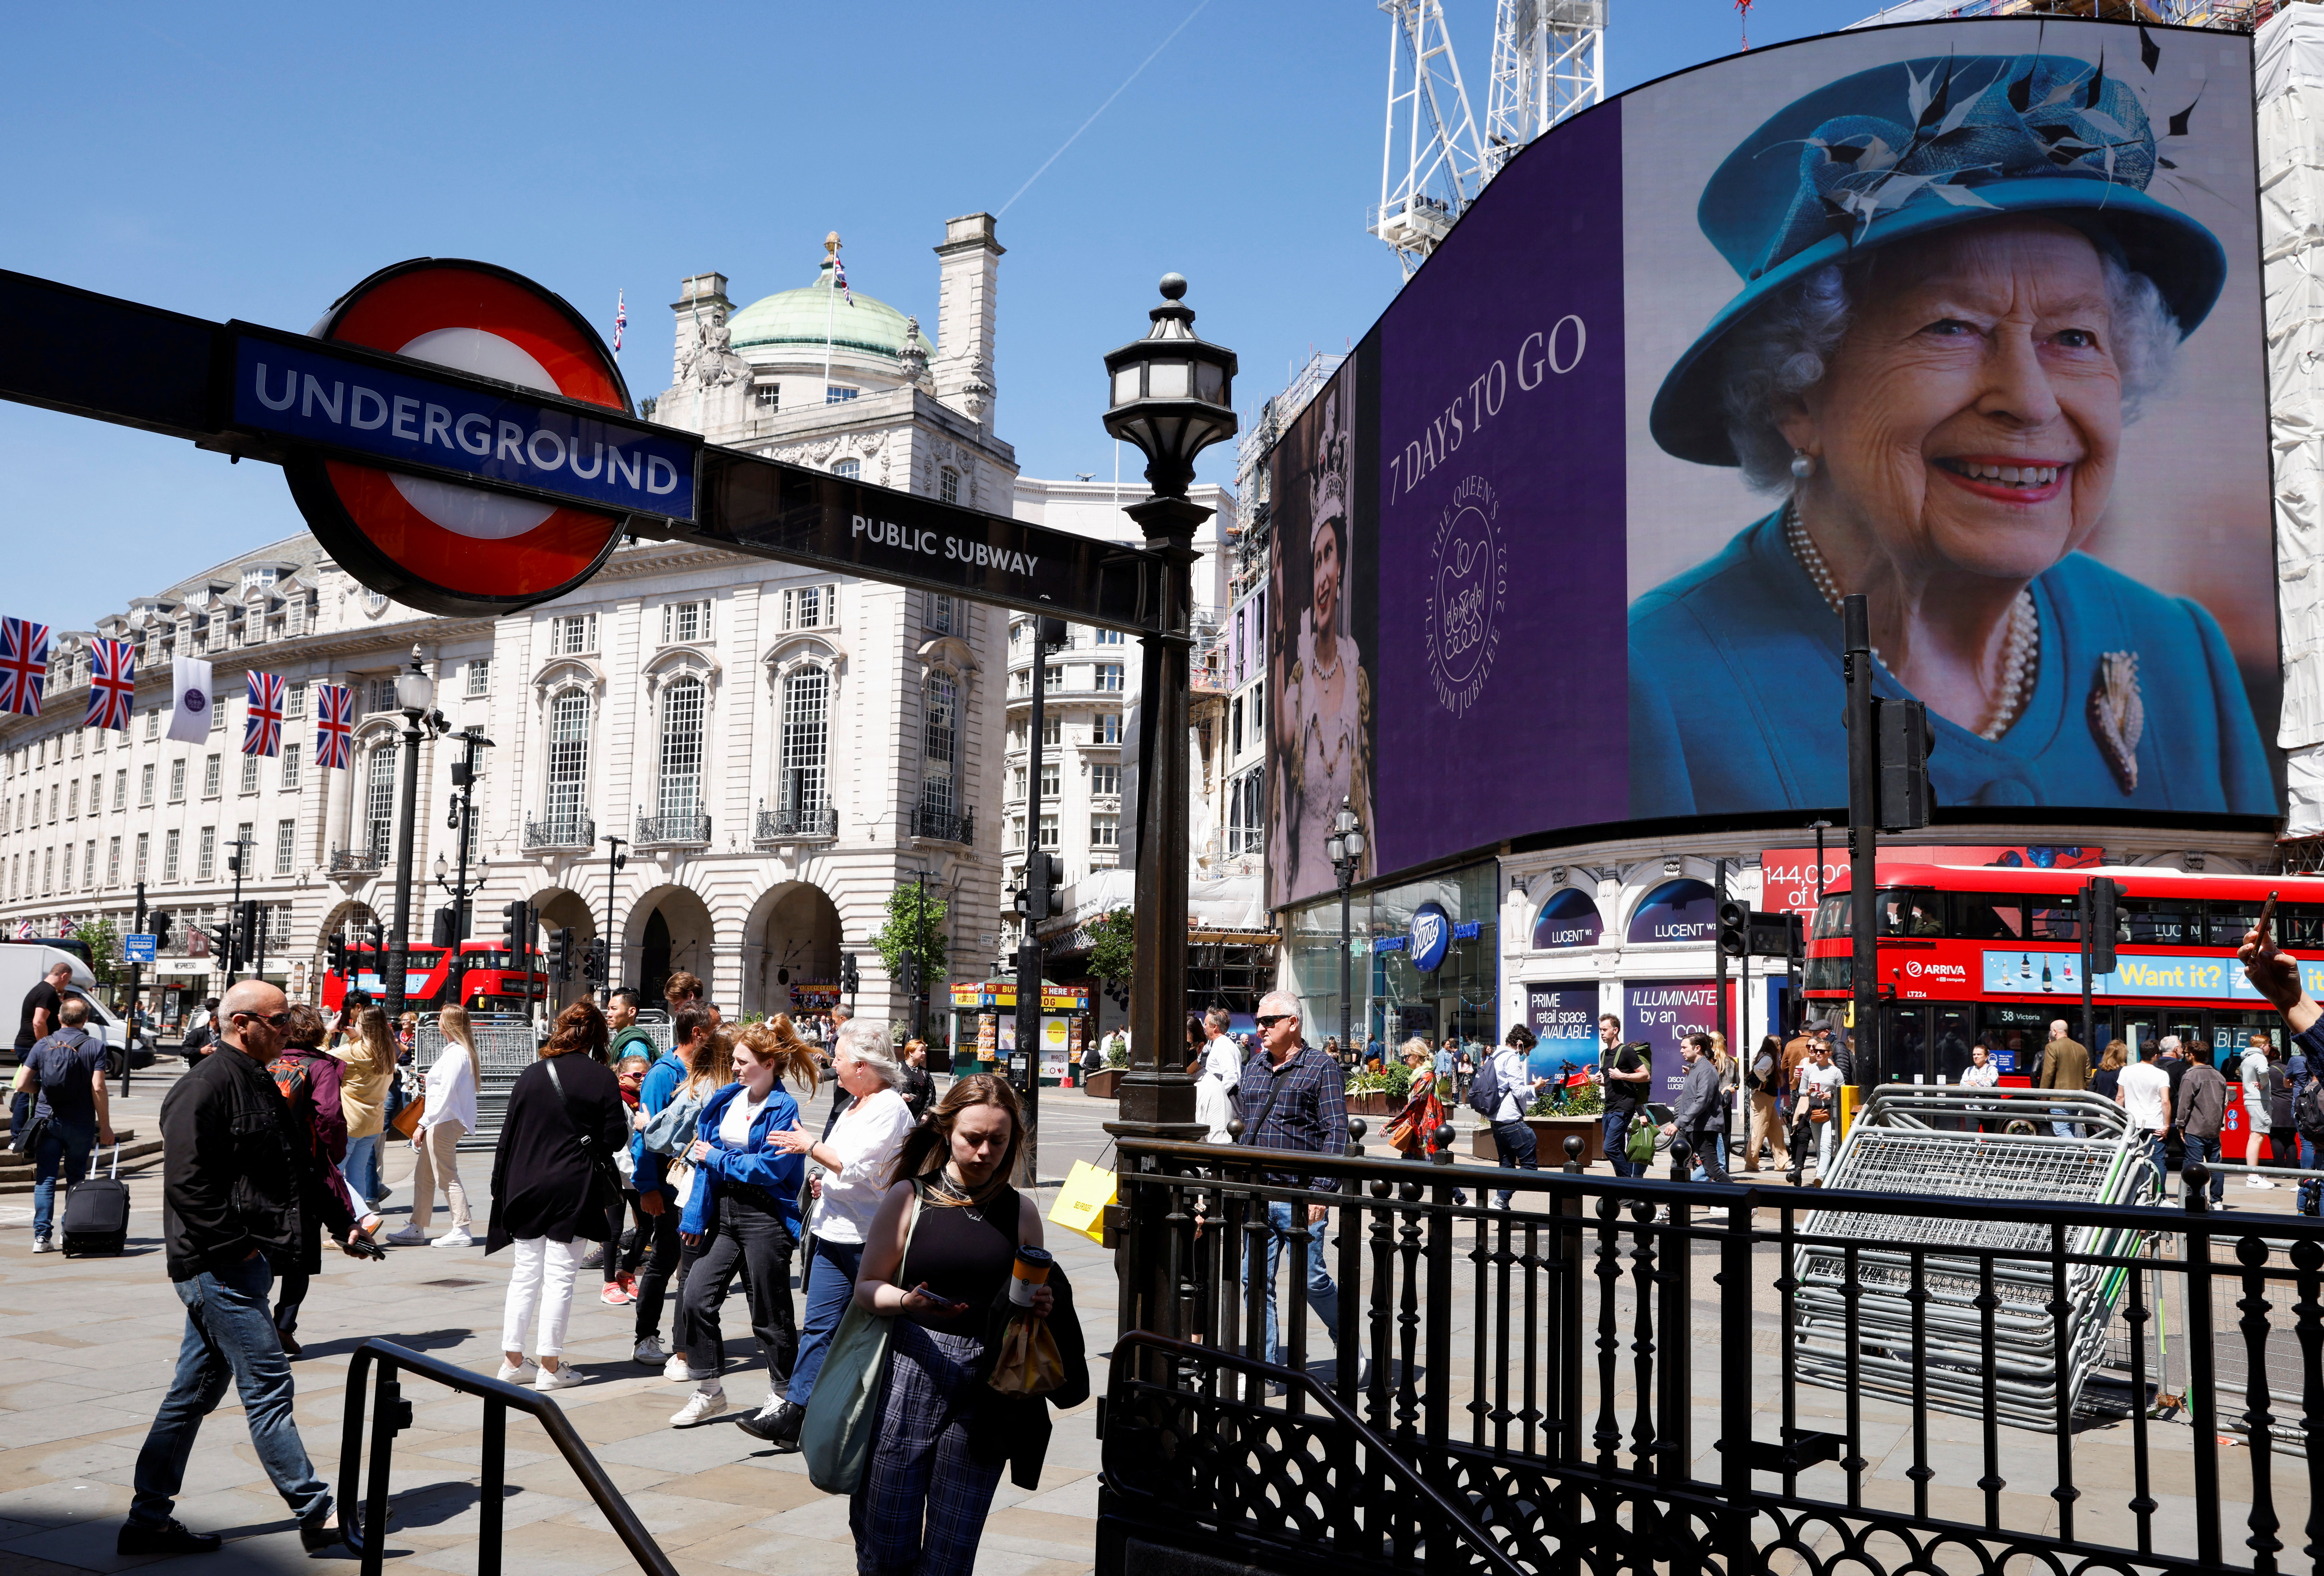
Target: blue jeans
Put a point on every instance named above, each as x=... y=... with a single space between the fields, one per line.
x=64 y=1153
x=1618 y=1133
x=1709 y=1145
x=2204 y=1149
x=830 y=1287
x=1322 y=1296
x=229 y=1336
x=361 y=1169
x=2063 y=1129
x=1518 y=1149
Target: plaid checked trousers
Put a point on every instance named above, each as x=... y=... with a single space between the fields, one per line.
x=921 y=1507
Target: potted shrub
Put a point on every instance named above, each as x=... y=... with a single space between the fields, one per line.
x=1581 y=1114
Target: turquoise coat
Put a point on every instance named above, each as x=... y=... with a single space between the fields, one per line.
x=1736 y=693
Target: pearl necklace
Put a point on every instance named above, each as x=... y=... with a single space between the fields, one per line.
x=2021 y=653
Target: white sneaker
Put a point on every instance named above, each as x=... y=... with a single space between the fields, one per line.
x=2257 y=1182
x=650 y=1353
x=43 y=1245
x=513 y=1373
x=675 y=1370
x=457 y=1236
x=561 y=1377
x=408 y=1237
x=700 y=1408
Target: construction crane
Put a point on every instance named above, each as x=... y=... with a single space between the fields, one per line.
x=1442 y=167
x=1547 y=63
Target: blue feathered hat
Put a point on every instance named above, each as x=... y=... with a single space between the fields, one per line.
x=1915 y=146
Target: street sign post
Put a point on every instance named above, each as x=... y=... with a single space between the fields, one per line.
x=137 y=949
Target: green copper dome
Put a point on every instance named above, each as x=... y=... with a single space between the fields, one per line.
x=803 y=317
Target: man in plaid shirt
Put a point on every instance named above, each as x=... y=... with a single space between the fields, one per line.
x=1293 y=1098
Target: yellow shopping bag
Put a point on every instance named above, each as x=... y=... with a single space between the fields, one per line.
x=1081 y=1202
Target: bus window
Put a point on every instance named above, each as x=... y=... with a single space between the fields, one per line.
x=1829 y=974
x=2160 y=922
x=2230 y=919
x=1912 y=911
x=2299 y=925
x=2013 y=1037
x=1952 y=1029
x=2050 y=918
x=1832 y=916
x=1989 y=917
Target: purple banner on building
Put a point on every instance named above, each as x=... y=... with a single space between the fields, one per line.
x=1662 y=1012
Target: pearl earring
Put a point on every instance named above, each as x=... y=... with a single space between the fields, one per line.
x=1802 y=464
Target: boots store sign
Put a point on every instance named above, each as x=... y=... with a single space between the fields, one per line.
x=458 y=438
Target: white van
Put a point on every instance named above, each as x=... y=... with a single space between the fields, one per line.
x=23 y=963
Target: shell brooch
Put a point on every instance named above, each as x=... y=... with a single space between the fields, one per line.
x=2118 y=716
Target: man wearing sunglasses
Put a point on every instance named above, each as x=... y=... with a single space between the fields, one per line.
x=1296 y=1101
x=232 y=1206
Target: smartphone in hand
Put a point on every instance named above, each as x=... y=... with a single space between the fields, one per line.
x=942 y=1302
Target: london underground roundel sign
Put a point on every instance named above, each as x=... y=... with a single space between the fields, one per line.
x=435 y=544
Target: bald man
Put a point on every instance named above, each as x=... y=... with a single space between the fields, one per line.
x=232 y=1206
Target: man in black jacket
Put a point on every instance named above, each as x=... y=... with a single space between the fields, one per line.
x=232 y=1202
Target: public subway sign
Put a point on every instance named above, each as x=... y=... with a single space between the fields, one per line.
x=459 y=439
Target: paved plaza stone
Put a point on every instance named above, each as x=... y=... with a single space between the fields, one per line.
x=91 y=1344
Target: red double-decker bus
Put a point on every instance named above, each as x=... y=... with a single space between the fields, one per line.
x=1991 y=955
x=481 y=976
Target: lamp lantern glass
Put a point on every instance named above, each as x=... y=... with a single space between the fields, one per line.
x=415 y=692
x=1172 y=394
x=441 y=868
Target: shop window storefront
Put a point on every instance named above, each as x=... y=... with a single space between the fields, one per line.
x=1446 y=920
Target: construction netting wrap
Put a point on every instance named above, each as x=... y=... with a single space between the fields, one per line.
x=1918 y=1139
x=2290 y=64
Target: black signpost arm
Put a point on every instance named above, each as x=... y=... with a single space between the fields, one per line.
x=136 y=976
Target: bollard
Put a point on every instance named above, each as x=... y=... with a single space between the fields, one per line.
x=1574 y=1148
x=1680 y=1155
x=2195 y=1188
x=1357 y=1128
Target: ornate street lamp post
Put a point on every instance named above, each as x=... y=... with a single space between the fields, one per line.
x=462 y=816
x=415 y=698
x=1172 y=395
x=1345 y=849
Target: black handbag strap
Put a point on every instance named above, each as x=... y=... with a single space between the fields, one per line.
x=587 y=1139
x=1250 y=1129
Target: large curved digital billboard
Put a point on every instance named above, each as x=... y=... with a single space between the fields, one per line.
x=1963 y=316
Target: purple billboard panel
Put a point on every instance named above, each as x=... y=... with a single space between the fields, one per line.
x=1661 y=1013
x=1564 y=543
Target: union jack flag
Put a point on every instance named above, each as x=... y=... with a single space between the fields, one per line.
x=262 y=727
x=111 y=684
x=23 y=665
x=839 y=277
x=335 y=725
x=24 y=930
x=621 y=317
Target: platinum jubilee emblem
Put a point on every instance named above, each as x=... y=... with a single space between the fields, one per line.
x=1469 y=584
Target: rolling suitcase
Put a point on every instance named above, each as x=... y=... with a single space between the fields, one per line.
x=96 y=1213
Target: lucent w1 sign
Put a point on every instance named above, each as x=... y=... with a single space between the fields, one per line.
x=1963 y=315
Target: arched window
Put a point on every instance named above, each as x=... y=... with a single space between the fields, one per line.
x=807 y=709
x=680 y=793
x=852 y=470
x=940 y=745
x=568 y=764
x=379 y=801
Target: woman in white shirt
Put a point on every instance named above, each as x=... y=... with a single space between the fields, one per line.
x=849 y=1170
x=449 y=1114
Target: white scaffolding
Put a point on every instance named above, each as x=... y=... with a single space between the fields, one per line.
x=1431 y=166
x=1548 y=62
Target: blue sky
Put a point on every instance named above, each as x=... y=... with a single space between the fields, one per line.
x=254 y=161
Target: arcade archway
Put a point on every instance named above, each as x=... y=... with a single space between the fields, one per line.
x=668 y=932
x=562 y=909
x=792 y=943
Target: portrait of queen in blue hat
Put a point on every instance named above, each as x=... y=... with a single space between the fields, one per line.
x=1959 y=287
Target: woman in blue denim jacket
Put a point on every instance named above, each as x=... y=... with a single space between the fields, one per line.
x=741 y=1213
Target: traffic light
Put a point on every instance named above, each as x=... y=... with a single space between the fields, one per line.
x=911 y=981
x=1734 y=929
x=1050 y=632
x=517 y=925
x=593 y=961
x=1039 y=897
x=2104 y=906
x=1900 y=731
x=445 y=920
x=375 y=936
x=335 y=947
x=159 y=923
x=561 y=954
x=245 y=932
x=850 y=980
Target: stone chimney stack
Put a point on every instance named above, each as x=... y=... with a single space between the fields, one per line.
x=965 y=300
x=702 y=299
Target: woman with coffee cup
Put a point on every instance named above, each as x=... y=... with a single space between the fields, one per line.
x=953 y=1254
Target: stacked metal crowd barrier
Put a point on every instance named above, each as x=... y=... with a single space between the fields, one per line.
x=506 y=1045
x=1924 y=1139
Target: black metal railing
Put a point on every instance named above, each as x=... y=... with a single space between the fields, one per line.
x=945 y=826
x=1888 y=1381
x=359 y=858
x=365 y=1531
x=793 y=825
x=561 y=831
x=674 y=829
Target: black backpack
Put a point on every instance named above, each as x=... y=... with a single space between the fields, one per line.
x=1485 y=1090
x=2308 y=1105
